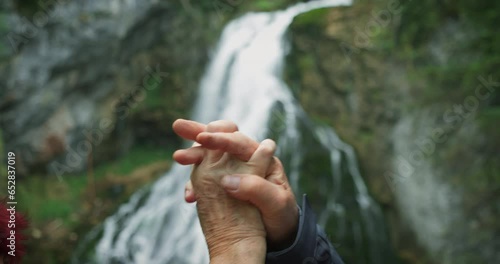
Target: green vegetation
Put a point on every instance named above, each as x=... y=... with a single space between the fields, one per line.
x=164 y=96
x=61 y=211
x=264 y=5
x=4 y=29
x=3 y=23
x=47 y=198
x=27 y=8
x=455 y=80
x=154 y=94
x=316 y=17
x=479 y=52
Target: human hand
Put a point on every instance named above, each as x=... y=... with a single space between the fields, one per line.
x=272 y=195
x=233 y=229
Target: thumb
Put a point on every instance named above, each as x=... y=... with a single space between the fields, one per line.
x=265 y=195
x=275 y=202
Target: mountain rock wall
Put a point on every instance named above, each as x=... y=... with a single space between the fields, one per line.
x=415 y=102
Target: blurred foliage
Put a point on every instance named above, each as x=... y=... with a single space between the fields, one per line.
x=3 y=22
x=28 y=8
x=34 y=192
x=238 y=7
x=477 y=55
x=60 y=211
x=265 y=5
x=316 y=17
x=4 y=30
x=66 y=203
x=154 y=96
x=420 y=23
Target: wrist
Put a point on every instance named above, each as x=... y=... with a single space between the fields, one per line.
x=249 y=250
x=284 y=236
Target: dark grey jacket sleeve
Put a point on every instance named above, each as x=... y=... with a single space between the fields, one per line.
x=310 y=246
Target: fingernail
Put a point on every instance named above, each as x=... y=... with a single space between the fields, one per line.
x=231 y=182
x=187 y=192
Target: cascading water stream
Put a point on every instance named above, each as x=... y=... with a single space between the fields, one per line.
x=243 y=83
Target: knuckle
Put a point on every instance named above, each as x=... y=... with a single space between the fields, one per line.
x=240 y=150
x=222 y=126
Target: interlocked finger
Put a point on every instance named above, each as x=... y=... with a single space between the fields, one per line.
x=222 y=126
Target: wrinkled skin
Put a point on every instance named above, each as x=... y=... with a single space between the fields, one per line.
x=226 y=221
x=271 y=194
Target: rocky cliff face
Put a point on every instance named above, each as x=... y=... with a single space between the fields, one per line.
x=78 y=75
x=348 y=70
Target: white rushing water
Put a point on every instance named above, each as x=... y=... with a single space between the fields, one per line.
x=243 y=83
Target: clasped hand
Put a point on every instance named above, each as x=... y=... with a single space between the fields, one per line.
x=243 y=195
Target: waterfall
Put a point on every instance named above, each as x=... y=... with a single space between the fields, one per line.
x=243 y=83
